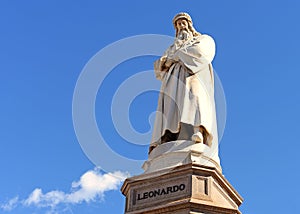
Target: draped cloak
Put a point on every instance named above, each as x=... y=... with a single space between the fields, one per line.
x=187 y=89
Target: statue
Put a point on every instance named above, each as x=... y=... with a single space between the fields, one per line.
x=183 y=172
x=186 y=106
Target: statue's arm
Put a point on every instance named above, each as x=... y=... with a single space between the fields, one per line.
x=197 y=55
x=159 y=68
x=192 y=58
x=163 y=64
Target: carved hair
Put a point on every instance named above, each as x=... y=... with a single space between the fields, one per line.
x=188 y=19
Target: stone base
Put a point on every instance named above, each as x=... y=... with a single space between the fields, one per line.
x=190 y=188
x=181 y=152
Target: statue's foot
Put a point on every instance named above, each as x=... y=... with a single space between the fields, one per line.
x=197 y=137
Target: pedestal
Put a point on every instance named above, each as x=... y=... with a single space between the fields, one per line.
x=190 y=188
x=181 y=152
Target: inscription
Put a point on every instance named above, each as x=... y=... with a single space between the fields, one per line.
x=161 y=191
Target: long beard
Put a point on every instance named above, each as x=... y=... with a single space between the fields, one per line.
x=184 y=35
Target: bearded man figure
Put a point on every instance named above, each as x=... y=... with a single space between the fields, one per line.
x=186 y=105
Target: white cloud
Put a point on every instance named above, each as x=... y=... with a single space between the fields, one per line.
x=11 y=204
x=91 y=187
x=49 y=199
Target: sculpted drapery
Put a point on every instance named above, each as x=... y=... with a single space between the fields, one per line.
x=187 y=89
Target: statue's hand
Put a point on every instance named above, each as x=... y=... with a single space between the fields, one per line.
x=165 y=63
x=162 y=62
x=169 y=63
x=163 y=59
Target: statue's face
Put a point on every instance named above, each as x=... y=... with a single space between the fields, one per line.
x=182 y=24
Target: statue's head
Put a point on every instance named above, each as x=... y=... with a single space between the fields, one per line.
x=183 y=21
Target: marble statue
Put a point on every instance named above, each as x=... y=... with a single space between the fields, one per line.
x=183 y=173
x=186 y=105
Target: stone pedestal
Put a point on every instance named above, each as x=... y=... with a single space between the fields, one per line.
x=181 y=152
x=191 y=188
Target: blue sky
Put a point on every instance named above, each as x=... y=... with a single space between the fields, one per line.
x=44 y=46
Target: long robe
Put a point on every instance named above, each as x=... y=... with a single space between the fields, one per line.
x=187 y=89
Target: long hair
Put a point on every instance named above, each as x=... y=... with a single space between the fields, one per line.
x=190 y=26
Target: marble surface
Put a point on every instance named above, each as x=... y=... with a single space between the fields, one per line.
x=181 y=152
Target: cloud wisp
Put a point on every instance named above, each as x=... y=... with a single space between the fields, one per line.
x=91 y=187
x=11 y=204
